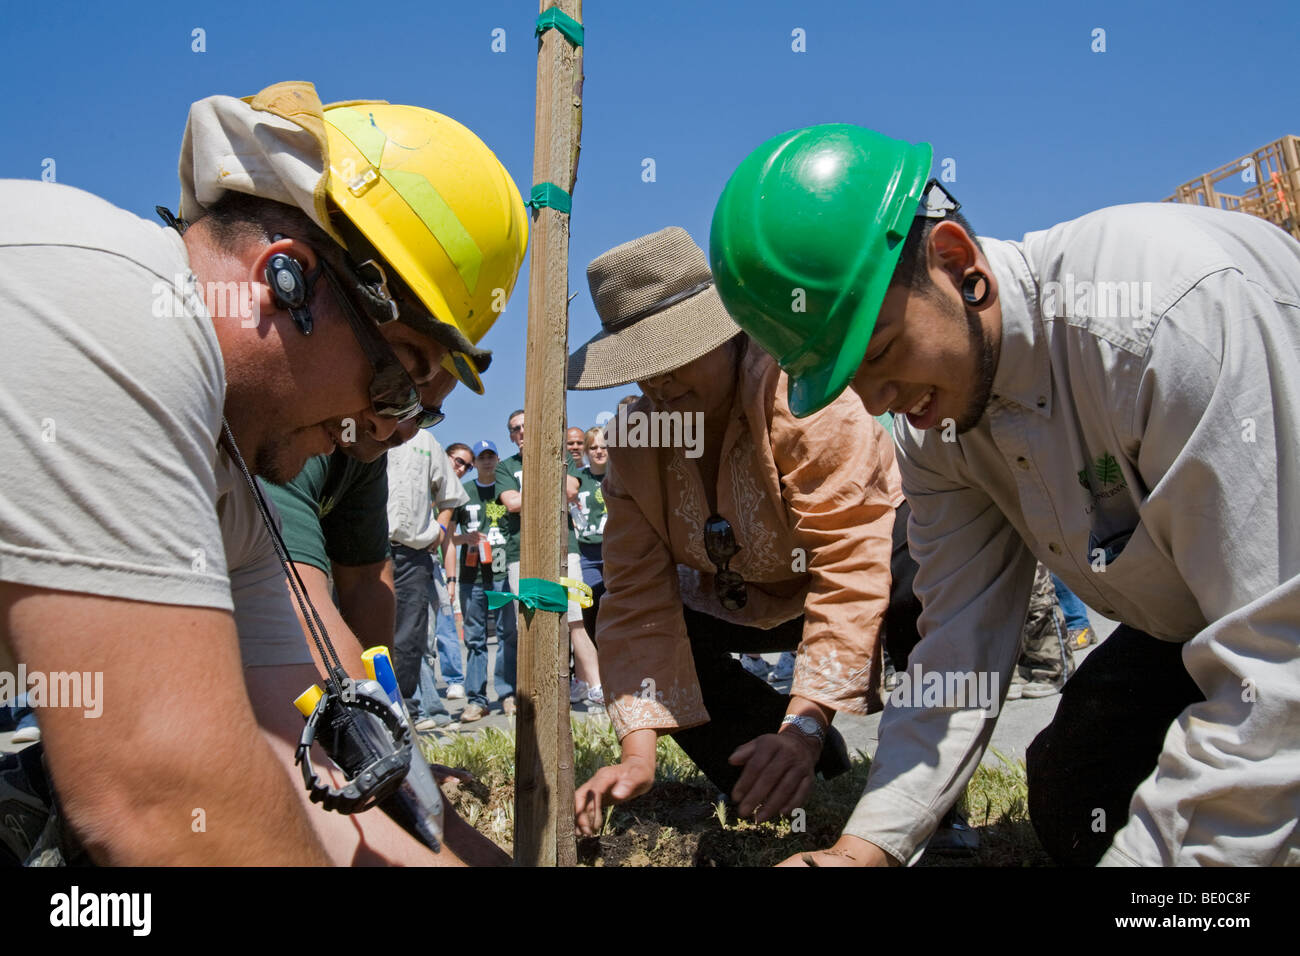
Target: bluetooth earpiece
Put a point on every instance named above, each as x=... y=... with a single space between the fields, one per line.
x=289 y=289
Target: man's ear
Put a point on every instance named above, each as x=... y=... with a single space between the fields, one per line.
x=951 y=250
x=954 y=255
x=300 y=252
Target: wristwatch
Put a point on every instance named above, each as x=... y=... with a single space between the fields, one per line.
x=806 y=726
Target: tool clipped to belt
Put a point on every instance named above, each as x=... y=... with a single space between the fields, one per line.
x=363 y=729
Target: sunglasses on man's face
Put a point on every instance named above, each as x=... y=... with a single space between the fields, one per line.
x=720 y=544
x=393 y=394
x=429 y=417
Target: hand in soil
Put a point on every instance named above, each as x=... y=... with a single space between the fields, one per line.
x=847 y=851
x=778 y=775
x=610 y=785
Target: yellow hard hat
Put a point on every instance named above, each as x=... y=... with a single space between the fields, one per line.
x=438 y=207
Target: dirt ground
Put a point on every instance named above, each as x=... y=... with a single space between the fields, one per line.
x=687 y=824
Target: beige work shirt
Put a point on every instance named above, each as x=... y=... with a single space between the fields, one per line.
x=421 y=483
x=1143 y=442
x=812 y=505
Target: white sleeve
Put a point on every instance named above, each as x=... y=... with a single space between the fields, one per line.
x=974 y=579
x=448 y=492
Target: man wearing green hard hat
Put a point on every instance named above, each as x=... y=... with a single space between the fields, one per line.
x=1117 y=396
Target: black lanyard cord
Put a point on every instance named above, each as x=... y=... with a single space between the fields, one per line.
x=333 y=666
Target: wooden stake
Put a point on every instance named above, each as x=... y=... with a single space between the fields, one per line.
x=543 y=740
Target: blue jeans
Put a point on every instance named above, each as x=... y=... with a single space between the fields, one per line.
x=1076 y=615
x=444 y=631
x=427 y=691
x=593 y=575
x=473 y=606
x=21 y=713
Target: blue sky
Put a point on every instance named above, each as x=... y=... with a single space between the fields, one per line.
x=1042 y=128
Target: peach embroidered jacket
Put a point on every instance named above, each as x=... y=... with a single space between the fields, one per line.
x=812 y=505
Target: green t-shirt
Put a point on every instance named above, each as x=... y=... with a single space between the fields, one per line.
x=591 y=499
x=510 y=477
x=487 y=514
x=336 y=510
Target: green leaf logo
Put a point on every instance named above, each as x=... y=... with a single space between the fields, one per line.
x=1106 y=468
x=600 y=496
x=1083 y=478
x=495 y=512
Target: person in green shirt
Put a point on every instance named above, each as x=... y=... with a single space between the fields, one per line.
x=486 y=528
x=335 y=524
x=591 y=503
x=575 y=440
x=510 y=481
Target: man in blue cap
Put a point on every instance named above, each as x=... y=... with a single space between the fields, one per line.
x=485 y=526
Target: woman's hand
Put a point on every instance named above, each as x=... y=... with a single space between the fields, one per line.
x=779 y=773
x=630 y=778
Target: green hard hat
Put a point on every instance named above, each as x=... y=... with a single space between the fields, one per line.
x=804 y=241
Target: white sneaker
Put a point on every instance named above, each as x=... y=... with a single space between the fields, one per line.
x=26 y=735
x=577 y=691
x=456 y=692
x=596 y=697
x=755 y=665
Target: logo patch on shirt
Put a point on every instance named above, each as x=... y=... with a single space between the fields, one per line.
x=1107 y=472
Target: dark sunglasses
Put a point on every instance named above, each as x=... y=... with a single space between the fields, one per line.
x=392 y=393
x=463 y=463
x=720 y=544
x=429 y=417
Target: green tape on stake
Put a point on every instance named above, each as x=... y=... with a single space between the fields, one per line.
x=555 y=19
x=536 y=593
x=549 y=194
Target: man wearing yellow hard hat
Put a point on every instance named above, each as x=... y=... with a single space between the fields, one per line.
x=329 y=278
x=1117 y=397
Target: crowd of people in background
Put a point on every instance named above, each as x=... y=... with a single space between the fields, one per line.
x=475 y=551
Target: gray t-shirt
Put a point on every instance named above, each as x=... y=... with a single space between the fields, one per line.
x=269 y=632
x=111 y=392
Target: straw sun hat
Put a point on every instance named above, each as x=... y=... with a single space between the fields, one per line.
x=658 y=311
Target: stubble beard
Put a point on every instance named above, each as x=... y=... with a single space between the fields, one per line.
x=985 y=366
x=271 y=461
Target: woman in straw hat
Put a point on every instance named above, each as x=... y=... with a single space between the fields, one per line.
x=733 y=527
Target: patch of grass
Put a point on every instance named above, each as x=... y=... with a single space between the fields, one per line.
x=682 y=821
x=996 y=804
x=489 y=754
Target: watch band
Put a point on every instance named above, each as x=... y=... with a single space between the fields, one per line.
x=805 y=725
